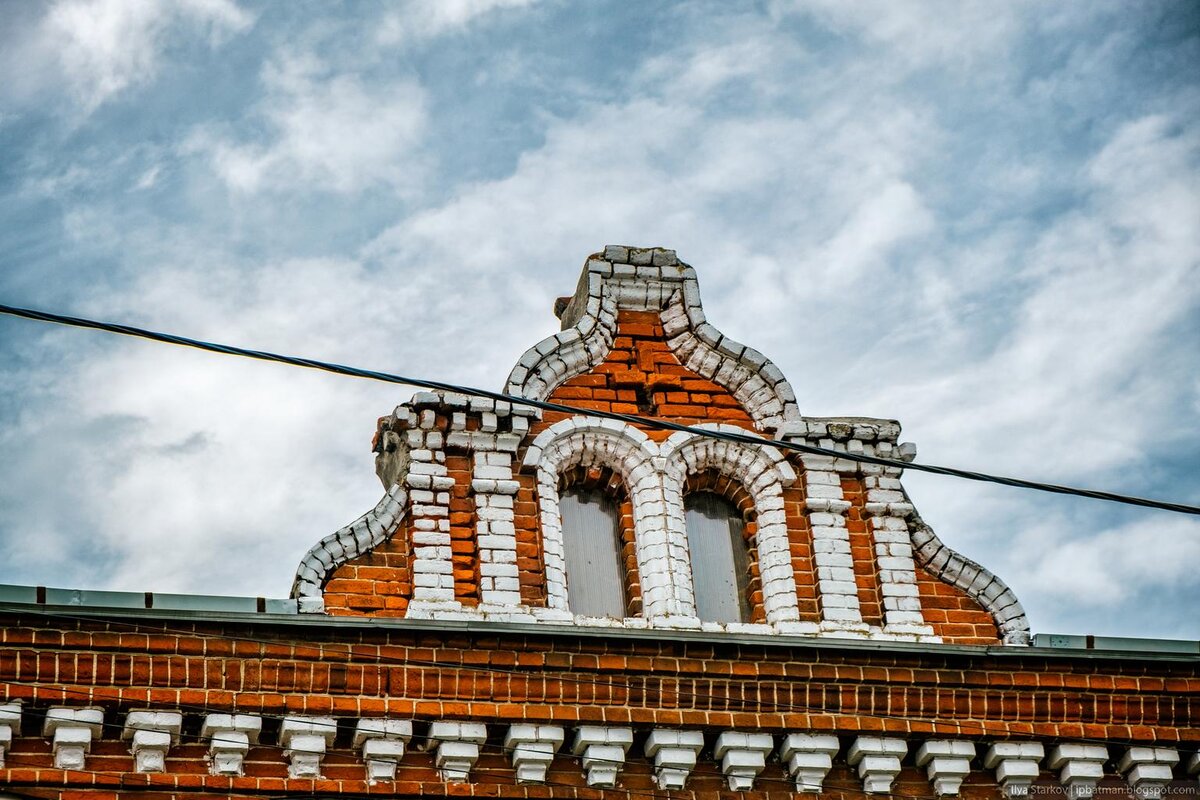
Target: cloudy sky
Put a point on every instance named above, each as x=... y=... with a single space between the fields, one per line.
x=981 y=219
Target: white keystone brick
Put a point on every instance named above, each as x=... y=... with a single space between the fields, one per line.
x=1148 y=769
x=946 y=762
x=877 y=760
x=743 y=756
x=73 y=730
x=456 y=748
x=1080 y=767
x=602 y=752
x=808 y=758
x=532 y=748
x=10 y=725
x=305 y=739
x=383 y=742
x=151 y=734
x=674 y=754
x=230 y=737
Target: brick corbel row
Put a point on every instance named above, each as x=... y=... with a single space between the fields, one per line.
x=602 y=751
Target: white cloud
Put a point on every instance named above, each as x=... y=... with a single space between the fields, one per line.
x=425 y=19
x=329 y=131
x=106 y=46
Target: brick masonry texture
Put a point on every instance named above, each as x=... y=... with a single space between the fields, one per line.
x=435 y=653
x=635 y=341
x=500 y=679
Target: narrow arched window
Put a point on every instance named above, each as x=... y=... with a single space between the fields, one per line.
x=720 y=558
x=592 y=545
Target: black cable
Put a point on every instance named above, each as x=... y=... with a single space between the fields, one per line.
x=354 y=372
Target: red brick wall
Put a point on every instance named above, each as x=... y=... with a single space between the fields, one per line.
x=501 y=678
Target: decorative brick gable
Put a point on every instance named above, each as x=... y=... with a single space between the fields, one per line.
x=835 y=547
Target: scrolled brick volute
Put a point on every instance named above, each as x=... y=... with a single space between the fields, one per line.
x=652 y=279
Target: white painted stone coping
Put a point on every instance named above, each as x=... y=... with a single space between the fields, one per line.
x=73 y=730
x=878 y=761
x=602 y=753
x=946 y=762
x=742 y=756
x=1080 y=767
x=808 y=758
x=1148 y=769
x=151 y=734
x=533 y=748
x=383 y=742
x=1016 y=765
x=674 y=754
x=10 y=725
x=230 y=737
x=456 y=746
x=305 y=739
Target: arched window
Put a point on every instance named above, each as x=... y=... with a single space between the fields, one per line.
x=720 y=558
x=592 y=545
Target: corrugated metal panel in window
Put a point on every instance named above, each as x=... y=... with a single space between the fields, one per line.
x=720 y=559
x=591 y=539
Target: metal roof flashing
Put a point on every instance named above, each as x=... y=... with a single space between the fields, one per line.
x=258 y=611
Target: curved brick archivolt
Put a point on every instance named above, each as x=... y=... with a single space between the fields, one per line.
x=764 y=473
x=631 y=279
x=981 y=585
x=583 y=442
x=358 y=538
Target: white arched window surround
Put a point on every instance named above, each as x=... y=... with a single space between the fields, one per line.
x=580 y=441
x=764 y=473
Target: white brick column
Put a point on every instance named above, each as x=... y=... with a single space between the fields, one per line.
x=946 y=762
x=743 y=756
x=877 y=760
x=808 y=758
x=382 y=742
x=837 y=590
x=601 y=752
x=674 y=754
x=151 y=734
x=10 y=726
x=429 y=484
x=887 y=513
x=532 y=748
x=1016 y=765
x=1080 y=767
x=1148 y=769
x=305 y=740
x=230 y=737
x=73 y=730
x=494 y=487
x=456 y=748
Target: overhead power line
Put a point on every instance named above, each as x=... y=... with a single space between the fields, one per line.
x=633 y=419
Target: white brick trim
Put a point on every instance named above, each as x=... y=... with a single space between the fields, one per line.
x=979 y=584
x=581 y=441
x=361 y=536
x=657 y=281
x=764 y=473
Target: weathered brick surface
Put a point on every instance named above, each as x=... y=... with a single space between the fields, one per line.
x=501 y=678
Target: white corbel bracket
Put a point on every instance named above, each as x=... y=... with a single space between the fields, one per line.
x=808 y=758
x=601 y=752
x=73 y=730
x=230 y=737
x=382 y=742
x=151 y=734
x=10 y=726
x=1016 y=765
x=532 y=748
x=877 y=760
x=742 y=756
x=305 y=740
x=456 y=748
x=674 y=754
x=1148 y=769
x=946 y=762
x=1080 y=767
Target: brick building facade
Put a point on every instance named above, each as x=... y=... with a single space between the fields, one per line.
x=547 y=604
